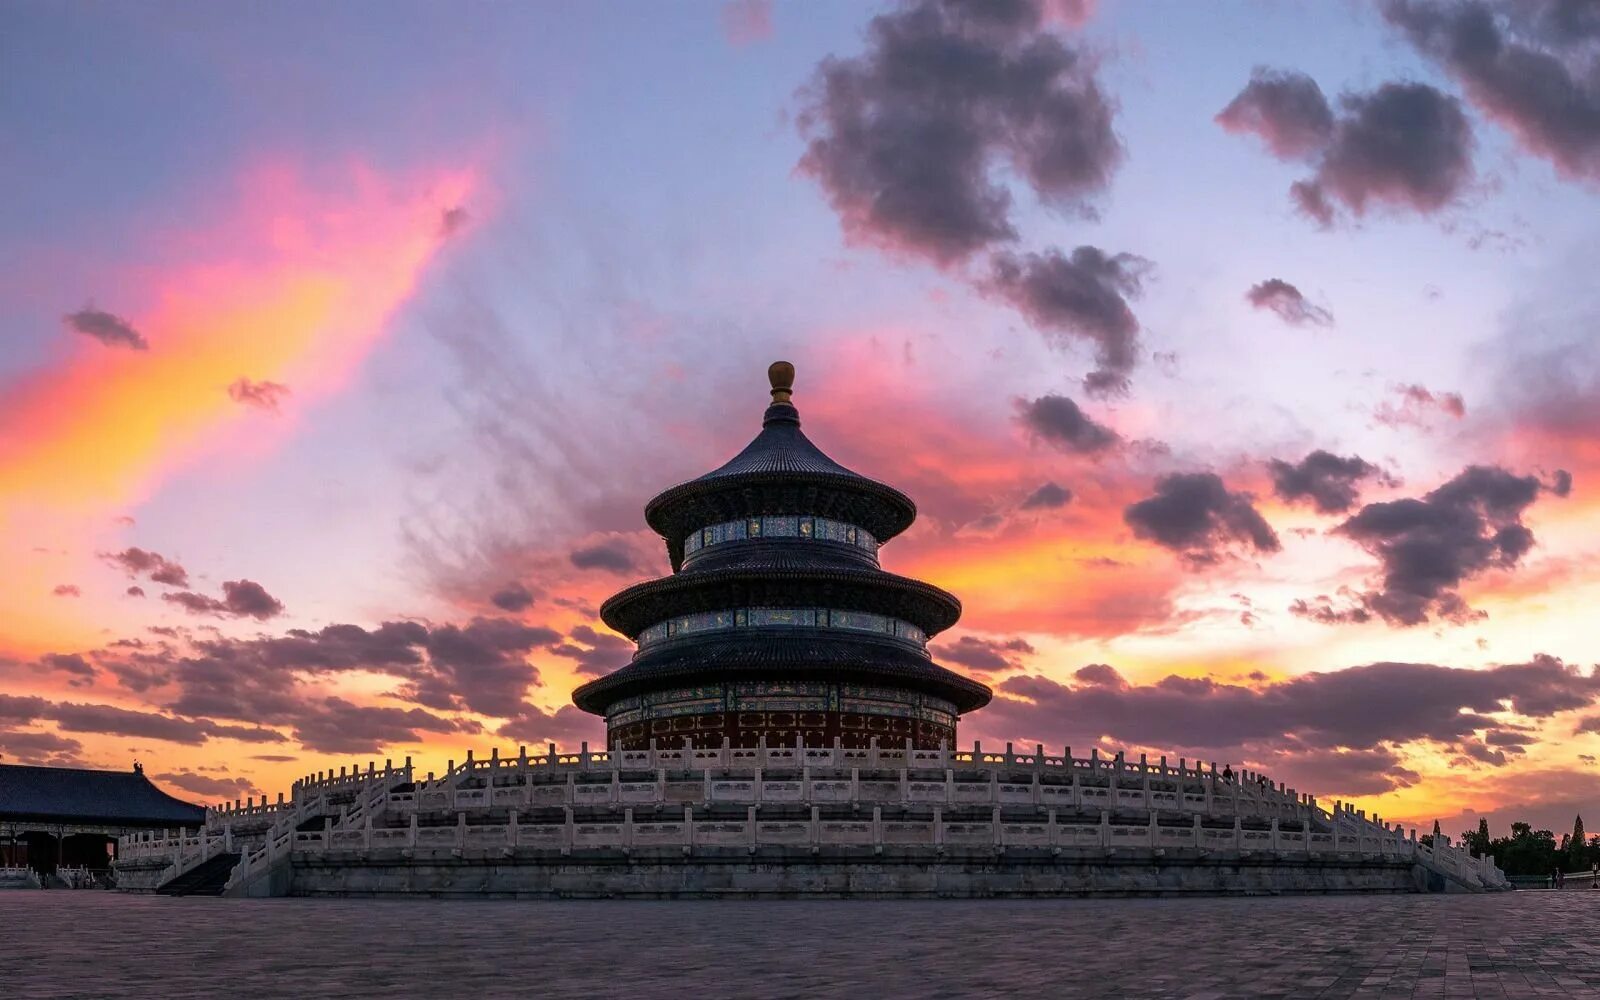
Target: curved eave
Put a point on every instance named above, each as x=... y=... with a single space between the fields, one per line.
x=644 y=604
x=819 y=656
x=877 y=507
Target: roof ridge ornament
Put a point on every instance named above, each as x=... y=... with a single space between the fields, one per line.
x=781 y=375
x=781 y=410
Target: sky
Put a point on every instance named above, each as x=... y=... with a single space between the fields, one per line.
x=1242 y=361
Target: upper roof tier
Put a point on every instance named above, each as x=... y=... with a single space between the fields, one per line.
x=779 y=472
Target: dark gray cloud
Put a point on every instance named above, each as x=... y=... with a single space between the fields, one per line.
x=27 y=747
x=605 y=652
x=66 y=590
x=240 y=599
x=333 y=725
x=1195 y=515
x=1428 y=546
x=988 y=655
x=153 y=565
x=512 y=597
x=1286 y=109
x=1302 y=725
x=1402 y=146
x=908 y=139
x=21 y=708
x=567 y=726
x=1049 y=496
x=72 y=664
x=1532 y=66
x=1082 y=297
x=1330 y=482
x=134 y=591
x=113 y=721
x=1059 y=422
x=261 y=395
x=613 y=556
x=482 y=666
x=108 y=328
x=1288 y=303
x=1322 y=610
x=210 y=786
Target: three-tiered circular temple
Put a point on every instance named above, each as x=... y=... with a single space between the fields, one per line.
x=777 y=620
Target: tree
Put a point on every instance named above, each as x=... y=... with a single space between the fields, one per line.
x=1577 y=852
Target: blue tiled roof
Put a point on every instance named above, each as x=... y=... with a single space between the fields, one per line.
x=71 y=795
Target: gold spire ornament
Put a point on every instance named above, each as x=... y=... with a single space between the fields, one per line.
x=781 y=375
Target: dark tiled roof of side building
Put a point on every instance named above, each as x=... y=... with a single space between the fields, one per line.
x=71 y=795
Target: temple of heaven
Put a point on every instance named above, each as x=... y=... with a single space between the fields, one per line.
x=777 y=621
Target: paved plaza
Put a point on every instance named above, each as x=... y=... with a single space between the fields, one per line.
x=101 y=945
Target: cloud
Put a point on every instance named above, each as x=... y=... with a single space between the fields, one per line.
x=137 y=562
x=334 y=725
x=1427 y=547
x=481 y=666
x=1305 y=724
x=1285 y=108
x=1059 y=422
x=1049 y=496
x=1083 y=296
x=512 y=597
x=69 y=663
x=28 y=747
x=1401 y=146
x=567 y=726
x=1330 y=482
x=1416 y=404
x=207 y=785
x=988 y=655
x=262 y=395
x=1288 y=303
x=240 y=599
x=605 y=652
x=613 y=556
x=746 y=22
x=1195 y=515
x=66 y=590
x=21 y=708
x=111 y=330
x=453 y=220
x=113 y=721
x=1533 y=67
x=134 y=591
x=908 y=139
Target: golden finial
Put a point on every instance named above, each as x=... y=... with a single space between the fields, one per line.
x=781 y=375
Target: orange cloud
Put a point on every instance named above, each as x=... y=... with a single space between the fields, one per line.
x=293 y=284
x=298 y=293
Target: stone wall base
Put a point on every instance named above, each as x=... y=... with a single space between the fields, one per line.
x=143 y=875
x=902 y=876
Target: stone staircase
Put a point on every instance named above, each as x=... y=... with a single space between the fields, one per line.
x=205 y=879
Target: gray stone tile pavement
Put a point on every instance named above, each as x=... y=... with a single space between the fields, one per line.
x=102 y=945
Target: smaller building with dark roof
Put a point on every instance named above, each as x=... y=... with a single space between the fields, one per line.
x=54 y=816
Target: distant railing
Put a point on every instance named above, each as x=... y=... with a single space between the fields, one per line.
x=1061 y=787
